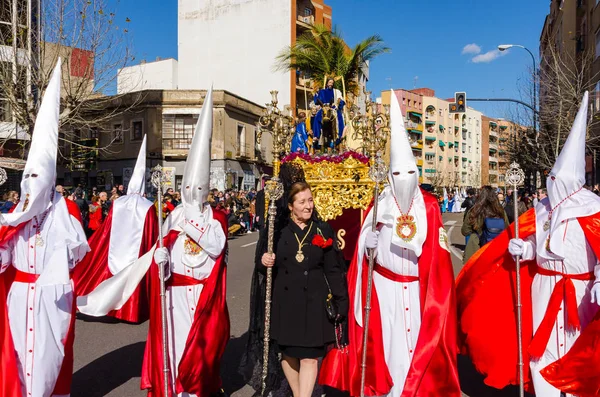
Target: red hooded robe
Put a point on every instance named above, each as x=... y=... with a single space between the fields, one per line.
x=433 y=369
x=486 y=300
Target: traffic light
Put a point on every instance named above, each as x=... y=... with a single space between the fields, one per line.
x=460 y=103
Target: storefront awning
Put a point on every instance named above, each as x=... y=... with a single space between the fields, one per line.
x=416 y=114
x=414 y=132
x=430 y=138
x=442 y=143
x=429 y=122
x=441 y=127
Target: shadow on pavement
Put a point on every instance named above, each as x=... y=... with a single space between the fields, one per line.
x=108 y=372
x=232 y=379
x=471 y=382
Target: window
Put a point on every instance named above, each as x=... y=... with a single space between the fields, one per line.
x=137 y=130
x=470 y=149
x=117 y=133
x=598 y=43
x=596 y=98
x=94 y=133
x=429 y=157
x=469 y=134
x=178 y=130
x=307 y=12
x=477 y=122
x=464 y=147
x=5 y=113
x=241 y=140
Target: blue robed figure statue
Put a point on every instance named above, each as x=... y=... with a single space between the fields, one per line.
x=332 y=97
x=300 y=139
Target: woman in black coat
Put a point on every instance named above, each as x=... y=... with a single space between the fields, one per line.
x=306 y=270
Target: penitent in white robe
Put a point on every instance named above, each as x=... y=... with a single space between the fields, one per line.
x=182 y=301
x=578 y=258
x=399 y=302
x=40 y=313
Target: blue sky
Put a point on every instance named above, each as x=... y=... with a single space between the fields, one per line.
x=427 y=39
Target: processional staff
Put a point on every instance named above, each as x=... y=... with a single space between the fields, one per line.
x=378 y=173
x=281 y=125
x=158 y=179
x=515 y=177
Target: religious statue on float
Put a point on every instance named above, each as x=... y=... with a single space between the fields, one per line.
x=328 y=124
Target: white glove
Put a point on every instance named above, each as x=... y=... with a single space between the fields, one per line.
x=372 y=239
x=161 y=257
x=516 y=247
x=595 y=291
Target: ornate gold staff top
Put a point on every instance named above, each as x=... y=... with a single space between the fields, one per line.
x=372 y=128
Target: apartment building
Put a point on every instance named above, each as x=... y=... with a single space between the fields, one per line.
x=168 y=118
x=447 y=146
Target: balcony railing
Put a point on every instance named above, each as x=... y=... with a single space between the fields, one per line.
x=411 y=125
x=177 y=143
x=307 y=19
x=244 y=151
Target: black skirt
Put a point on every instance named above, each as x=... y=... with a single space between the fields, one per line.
x=303 y=352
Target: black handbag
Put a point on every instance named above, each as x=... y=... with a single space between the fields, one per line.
x=330 y=306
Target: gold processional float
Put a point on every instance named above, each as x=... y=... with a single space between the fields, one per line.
x=340 y=182
x=343 y=182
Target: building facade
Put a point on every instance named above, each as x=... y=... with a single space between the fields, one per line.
x=572 y=31
x=168 y=119
x=447 y=146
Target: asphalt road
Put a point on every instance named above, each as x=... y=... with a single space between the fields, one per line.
x=108 y=354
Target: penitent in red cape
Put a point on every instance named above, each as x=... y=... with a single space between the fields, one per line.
x=199 y=367
x=94 y=268
x=433 y=370
x=10 y=386
x=485 y=291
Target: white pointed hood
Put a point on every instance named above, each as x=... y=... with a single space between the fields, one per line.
x=404 y=174
x=39 y=175
x=137 y=183
x=565 y=185
x=196 y=175
x=403 y=195
x=130 y=212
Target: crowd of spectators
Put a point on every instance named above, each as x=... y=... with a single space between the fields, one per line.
x=94 y=205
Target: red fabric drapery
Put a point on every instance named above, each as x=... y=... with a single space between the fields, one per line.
x=93 y=269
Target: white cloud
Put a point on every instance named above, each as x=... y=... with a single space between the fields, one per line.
x=488 y=56
x=471 y=49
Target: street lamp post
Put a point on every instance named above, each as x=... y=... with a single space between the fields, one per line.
x=504 y=47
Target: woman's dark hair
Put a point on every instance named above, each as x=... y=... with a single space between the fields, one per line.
x=486 y=206
x=296 y=188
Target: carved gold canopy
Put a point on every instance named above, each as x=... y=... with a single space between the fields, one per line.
x=337 y=184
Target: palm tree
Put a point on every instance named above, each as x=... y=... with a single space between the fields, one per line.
x=323 y=53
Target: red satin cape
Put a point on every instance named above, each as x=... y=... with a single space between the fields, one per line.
x=10 y=386
x=578 y=371
x=199 y=368
x=93 y=269
x=486 y=299
x=433 y=370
